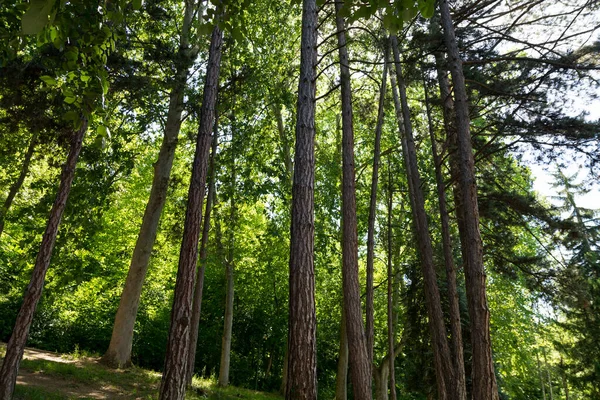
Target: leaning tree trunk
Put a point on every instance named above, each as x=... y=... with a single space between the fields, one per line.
x=173 y=380
x=119 y=350
x=197 y=302
x=16 y=186
x=390 y=289
x=18 y=338
x=370 y=314
x=229 y=278
x=483 y=377
x=302 y=350
x=360 y=369
x=446 y=382
x=455 y=327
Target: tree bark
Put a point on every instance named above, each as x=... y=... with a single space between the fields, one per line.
x=197 y=302
x=229 y=278
x=483 y=378
x=18 y=338
x=16 y=186
x=390 y=289
x=119 y=350
x=446 y=381
x=302 y=351
x=360 y=369
x=173 y=380
x=455 y=326
x=370 y=313
x=341 y=377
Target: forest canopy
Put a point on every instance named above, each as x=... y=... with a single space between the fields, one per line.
x=328 y=199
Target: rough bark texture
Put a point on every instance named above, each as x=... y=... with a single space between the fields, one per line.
x=197 y=302
x=119 y=350
x=173 y=380
x=455 y=327
x=370 y=313
x=302 y=347
x=18 y=338
x=16 y=186
x=360 y=369
x=445 y=379
x=483 y=377
x=341 y=377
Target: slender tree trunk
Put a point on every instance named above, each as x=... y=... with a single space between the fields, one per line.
x=483 y=377
x=302 y=350
x=390 y=289
x=285 y=145
x=341 y=378
x=541 y=376
x=370 y=313
x=564 y=379
x=381 y=373
x=446 y=381
x=16 y=186
x=360 y=369
x=18 y=338
x=119 y=350
x=173 y=380
x=197 y=302
x=229 y=278
x=455 y=326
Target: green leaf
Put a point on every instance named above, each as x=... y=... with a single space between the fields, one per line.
x=69 y=100
x=137 y=4
x=427 y=8
x=48 y=80
x=36 y=17
x=103 y=131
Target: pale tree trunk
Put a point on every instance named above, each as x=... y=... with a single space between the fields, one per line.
x=455 y=327
x=341 y=377
x=370 y=313
x=483 y=377
x=360 y=370
x=390 y=289
x=16 y=186
x=381 y=373
x=229 y=275
x=119 y=350
x=446 y=381
x=541 y=375
x=302 y=350
x=18 y=338
x=174 y=373
x=197 y=302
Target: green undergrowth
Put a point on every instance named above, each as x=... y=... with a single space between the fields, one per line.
x=75 y=377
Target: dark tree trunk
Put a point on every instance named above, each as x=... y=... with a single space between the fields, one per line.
x=119 y=350
x=455 y=327
x=370 y=314
x=446 y=382
x=341 y=377
x=483 y=377
x=18 y=339
x=360 y=369
x=302 y=350
x=174 y=375
x=16 y=186
x=197 y=302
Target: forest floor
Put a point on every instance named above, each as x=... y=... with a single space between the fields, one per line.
x=45 y=375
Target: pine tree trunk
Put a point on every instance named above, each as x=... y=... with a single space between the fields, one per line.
x=174 y=373
x=370 y=313
x=18 y=338
x=119 y=350
x=455 y=326
x=483 y=378
x=302 y=351
x=341 y=377
x=197 y=302
x=390 y=289
x=16 y=186
x=446 y=381
x=360 y=369
x=229 y=278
